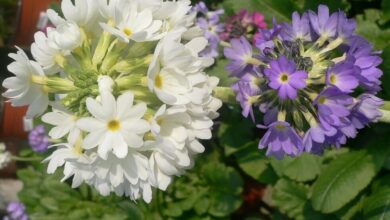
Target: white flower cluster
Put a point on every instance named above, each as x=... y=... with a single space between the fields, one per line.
x=121 y=83
x=5 y=156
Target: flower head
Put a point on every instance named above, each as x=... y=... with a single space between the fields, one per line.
x=315 y=78
x=16 y=211
x=38 y=139
x=128 y=93
x=244 y=24
x=209 y=23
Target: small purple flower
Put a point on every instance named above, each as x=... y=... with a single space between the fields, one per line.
x=366 y=110
x=38 y=139
x=241 y=57
x=333 y=108
x=267 y=36
x=285 y=78
x=361 y=54
x=300 y=28
x=281 y=139
x=345 y=27
x=344 y=76
x=247 y=98
x=323 y=24
x=16 y=211
x=315 y=138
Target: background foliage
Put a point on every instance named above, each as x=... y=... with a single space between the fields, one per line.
x=233 y=179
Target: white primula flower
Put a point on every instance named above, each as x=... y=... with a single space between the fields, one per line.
x=65 y=37
x=131 y=24
x=174 y=71
x=76 y=164
x=44 y=54
x=21 y=90
x=84 y=13
x=64 y=124
x=5 y=156
x=116 y=125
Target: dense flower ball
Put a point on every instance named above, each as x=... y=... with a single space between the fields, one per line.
x=38 y=139
x=314 y=81
x=16 y=211
x=123 y=89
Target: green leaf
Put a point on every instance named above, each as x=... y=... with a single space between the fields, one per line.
x=254 y=163
x=280 y=9
x=231 y=135
x=342 y=180
x=202 y=205
x=303 y=168
x=377 y=206
x=222 y=204
x=367 y=26
x=218 y=70
x=290 y=197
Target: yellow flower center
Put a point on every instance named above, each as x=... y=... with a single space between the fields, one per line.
x=280 y=127
x=158 y=81
x=322 y=100
x=332 y=78
x=284 y=77
x=127 y=31
x=114 y=125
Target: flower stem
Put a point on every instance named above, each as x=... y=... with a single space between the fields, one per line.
x=226 y=94
x=25 y=159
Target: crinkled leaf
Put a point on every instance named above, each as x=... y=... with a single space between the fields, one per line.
x=254 y=163
x=377 y=206
x=303 y=168
x=222 y=204
x=290 y=197
x=367 y=26
x=342 y=180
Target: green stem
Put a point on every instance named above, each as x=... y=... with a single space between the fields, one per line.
x=226 y=94
x=25 y=159
x=385 y=109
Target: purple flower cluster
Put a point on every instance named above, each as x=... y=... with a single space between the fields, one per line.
x=209 y=22
x=16 y=211
x=314 y=82
x=244 y=24
x=38 y=139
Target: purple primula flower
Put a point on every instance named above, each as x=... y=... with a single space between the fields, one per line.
x=208 y=21
x=333 y=107
x=299 y=30
x=361 y=54
x=241 y=57
x=281 y=139
x=315 y=138
x=323 y=24
x=16 y=211
x=366 y=110
x=344 y=76
x=305 y=76
x=345 y=27
x=38 y=139
x=248 y=98
x=267 y=36
x=284 y=77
